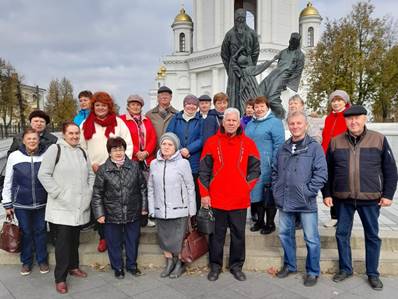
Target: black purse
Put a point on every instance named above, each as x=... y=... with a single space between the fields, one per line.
x=268 y=196
x=205 y=221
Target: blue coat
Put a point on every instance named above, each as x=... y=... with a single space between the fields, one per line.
x=297 y=177
x=190 y=135
x=211 y=124
x=268 y=134
x=81 y=116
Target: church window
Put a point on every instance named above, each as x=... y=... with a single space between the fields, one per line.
x=182 y=42
x=310 y=37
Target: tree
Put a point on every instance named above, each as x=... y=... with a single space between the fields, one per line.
x=349 y=56
x=60 y=105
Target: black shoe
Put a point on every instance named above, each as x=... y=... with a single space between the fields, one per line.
x=268 y=229
x=170 y=263
x=375 y=283
x=134 y=271
x=310 y=280
x=239 y=275
x=256 y=227
x=213 y=275
x=179 y=268
x=340 y=276
x=119 y=274
x=284 y=272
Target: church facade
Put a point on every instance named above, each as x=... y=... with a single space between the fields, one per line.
x=195 y=65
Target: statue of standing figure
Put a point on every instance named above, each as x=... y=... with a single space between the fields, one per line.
x=287 y=74
x=239 y=36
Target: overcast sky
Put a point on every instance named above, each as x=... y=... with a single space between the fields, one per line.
x=111 y=45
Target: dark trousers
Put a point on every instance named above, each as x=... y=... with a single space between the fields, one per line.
x=235 y=220
x=66 y=250
x=369 y=215
x=118 y=234
x=34 y=235
x=197 y=193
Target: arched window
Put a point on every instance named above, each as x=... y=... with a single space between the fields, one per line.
x=310 y=41
x=182 y=42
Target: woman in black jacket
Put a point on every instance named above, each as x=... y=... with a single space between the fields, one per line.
x=119 y=200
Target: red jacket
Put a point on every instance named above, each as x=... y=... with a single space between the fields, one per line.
x=334 y=125
x=229 y=170
x=150 y=136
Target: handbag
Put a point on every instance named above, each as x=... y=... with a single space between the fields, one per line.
x=268 y=196
x=194 y=246
x=205 y=221
x=10 y=237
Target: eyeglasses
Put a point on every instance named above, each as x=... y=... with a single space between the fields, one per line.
x=117 y=150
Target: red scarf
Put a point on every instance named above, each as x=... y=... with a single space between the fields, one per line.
x=89 y=128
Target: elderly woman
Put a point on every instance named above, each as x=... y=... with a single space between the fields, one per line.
x=101 y=124
x=268 y=133
x=67 y=176
x=119 y=200
x=171 y=200
x=187 y=125
x=25 y=196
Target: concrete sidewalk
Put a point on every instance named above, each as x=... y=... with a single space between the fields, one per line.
x=100 y=285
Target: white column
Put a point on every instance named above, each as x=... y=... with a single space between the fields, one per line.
x=193 y=83
x=214 y=80
x=217 y=21
x=198 y=28
x=228 y=15
x=195 y=21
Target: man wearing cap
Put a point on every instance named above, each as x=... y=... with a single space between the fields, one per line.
x=204 y=105
x=38 y=121
x=362 y=178
x=162 y=114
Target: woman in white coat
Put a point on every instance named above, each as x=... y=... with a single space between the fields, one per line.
x=68 y=178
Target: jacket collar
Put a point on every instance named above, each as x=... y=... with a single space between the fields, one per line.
x=179 y=115
x=129 y=117
x=110 y=166
x=171 y=109
x=176 y=156
x=302 y=148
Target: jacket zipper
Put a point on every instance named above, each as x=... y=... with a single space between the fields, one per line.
x=164 y=189
x=32 y=169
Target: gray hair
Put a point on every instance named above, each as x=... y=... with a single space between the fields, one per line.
x=297 y=113
x=232 y=110
x=296 y=97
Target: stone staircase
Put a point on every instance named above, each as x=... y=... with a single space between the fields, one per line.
x=262 y=252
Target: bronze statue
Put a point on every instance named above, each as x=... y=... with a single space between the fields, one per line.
x=286 y=74
x=240 y=36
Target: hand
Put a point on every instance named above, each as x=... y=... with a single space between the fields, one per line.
x=141 y=155
x=205 y=201
x=95 y=167
x=276 y=57
x=328 y=201
x=184 y=152
x=10 y=213
x=144 y=212
x=101 y=220
x=385 y=202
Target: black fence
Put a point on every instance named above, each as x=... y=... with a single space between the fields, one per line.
x=10 y=131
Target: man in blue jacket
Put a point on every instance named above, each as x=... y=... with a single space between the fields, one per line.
x=362 y=178
x=298 y=174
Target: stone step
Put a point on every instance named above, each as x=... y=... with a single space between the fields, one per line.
x=150 y=256
x=254 y=240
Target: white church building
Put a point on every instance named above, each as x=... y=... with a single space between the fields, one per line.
x=195 y=65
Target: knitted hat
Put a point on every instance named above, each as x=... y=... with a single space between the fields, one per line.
x=172 y=137
x=191 y=99
x=135 y=98
x=41 y=114
x=341 y=94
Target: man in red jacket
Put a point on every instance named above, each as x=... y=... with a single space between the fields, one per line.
x=229 y=169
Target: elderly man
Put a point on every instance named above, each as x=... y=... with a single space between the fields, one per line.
x=362 y=178
x=229 y=158
x=240 y=36
x=299 y=172
x=38 y=122
x=162 y=114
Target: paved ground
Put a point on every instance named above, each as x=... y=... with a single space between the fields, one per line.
x=259 y=285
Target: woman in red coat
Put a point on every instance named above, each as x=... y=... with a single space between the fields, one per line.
x=339 y=101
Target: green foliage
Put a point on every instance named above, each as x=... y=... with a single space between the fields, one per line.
x=8 y=93
x=352 y=55
x=60 y=105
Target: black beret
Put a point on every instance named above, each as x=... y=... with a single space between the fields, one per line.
x=204 y=98
x=41 y=114
x=165 y=89
x=355 y=110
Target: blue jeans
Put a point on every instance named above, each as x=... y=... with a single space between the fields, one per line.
x=287 y=236
x=369 y=214
x=118 y=234
x=34 y=235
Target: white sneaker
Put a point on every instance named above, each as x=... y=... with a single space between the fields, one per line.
x=331 y=223
x=151 y=223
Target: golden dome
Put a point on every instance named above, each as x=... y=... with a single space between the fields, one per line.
x=182 y=17
x=309 y=11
